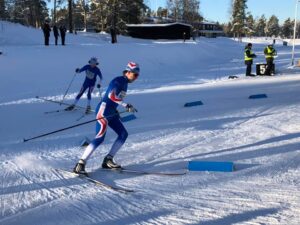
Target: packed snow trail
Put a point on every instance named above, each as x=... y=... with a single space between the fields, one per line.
x=260 y=136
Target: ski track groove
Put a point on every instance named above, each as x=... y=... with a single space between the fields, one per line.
x=190 y=213
x=55 y=196
x=166 y=139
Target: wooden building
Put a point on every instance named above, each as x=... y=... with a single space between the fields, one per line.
x=160 y=31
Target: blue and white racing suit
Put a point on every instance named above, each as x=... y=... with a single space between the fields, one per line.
x=90 y=80
x=107 y=115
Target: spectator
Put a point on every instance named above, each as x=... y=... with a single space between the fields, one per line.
x=63 y=31
x=56 y=34
x=46 y=30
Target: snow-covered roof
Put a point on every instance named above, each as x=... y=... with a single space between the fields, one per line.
x=208 y=23
x=157 y=24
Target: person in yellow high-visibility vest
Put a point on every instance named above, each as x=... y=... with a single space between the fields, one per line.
x=249 y=55
x=270 y=52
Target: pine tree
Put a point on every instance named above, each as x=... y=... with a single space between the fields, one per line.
x=260 y=26
x=287 y=28
x=162 y=12
x=27 y=12
x=62 y=16
x=238 y=16
x=70 y=15
x=184 y=10
x=80 y=15
x=272 y=28
x=174 y=8
x=249 y=29
x=191 y=11
x=227 y=28
x=3 y=13
x=297 y=29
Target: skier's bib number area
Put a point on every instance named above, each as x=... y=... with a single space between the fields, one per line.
x=90 y=74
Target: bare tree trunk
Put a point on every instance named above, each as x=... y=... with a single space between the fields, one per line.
x=54 y=12
x=70 y=6
x=113 y=25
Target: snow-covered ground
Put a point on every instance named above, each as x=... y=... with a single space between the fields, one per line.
x=261 y=136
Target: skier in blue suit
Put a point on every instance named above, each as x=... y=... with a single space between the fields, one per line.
x=92 y=71
x=108 y=115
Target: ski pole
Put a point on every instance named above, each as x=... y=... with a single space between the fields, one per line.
x=68 y=88
x=100 y=94
x=76 y=125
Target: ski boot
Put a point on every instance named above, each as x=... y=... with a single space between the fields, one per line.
x=88 y=109
x=80 y=168
x=109 y=163
x=70 y=107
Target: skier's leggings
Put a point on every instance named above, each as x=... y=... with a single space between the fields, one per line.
x=82 y=90
x=101 y=126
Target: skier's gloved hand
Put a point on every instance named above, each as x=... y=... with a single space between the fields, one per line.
x=98 y=85
x=130 y=108
x=77 y=70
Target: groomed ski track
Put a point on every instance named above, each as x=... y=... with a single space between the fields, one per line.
x=264 y=189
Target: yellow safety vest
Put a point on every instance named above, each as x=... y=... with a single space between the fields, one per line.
x=270 y=53
x=246 y=57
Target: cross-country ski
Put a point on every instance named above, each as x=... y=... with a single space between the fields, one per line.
x=144 y=172
x=60 y=103
x=95 y=181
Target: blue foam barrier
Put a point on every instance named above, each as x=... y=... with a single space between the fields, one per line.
x=258 y=96
x=210 y=166
x=190 y=104
x=128 y=118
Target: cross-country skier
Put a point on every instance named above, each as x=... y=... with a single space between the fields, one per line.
x=92 y=71
x=249 y=55
x=108 y=115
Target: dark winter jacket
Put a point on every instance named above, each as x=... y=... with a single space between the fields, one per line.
x=62 y=30
x=55 y=31
x=46 y=29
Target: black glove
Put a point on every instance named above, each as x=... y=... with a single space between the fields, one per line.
x=130 y=108
x=98 y=86
x=77 y=70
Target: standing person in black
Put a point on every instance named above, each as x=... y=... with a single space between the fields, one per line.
x=62 y=30
x=113 y=34
x=55 y=32
x=249 y=55
x=46 y=30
